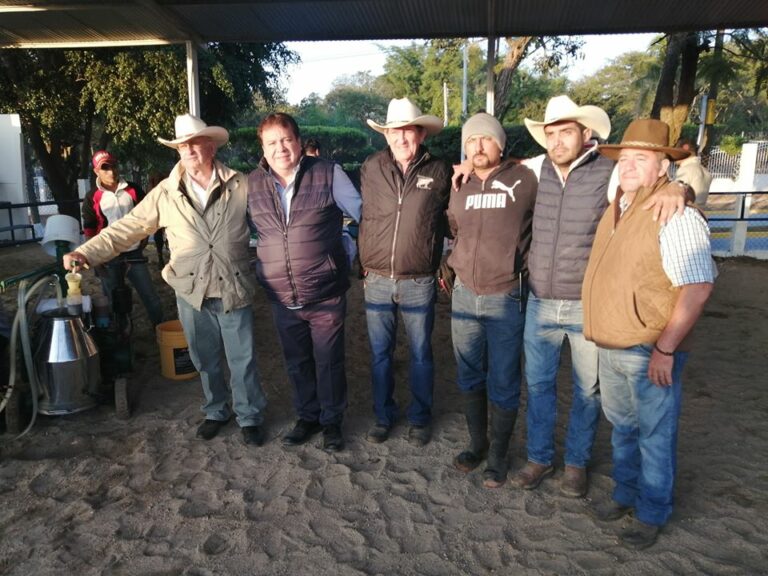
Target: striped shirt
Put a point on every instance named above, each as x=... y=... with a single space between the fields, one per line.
x=686 y=252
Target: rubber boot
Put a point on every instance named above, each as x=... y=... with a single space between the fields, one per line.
x=502 y=424
x=476 y=412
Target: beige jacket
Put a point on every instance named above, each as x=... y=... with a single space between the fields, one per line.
x=209 y=252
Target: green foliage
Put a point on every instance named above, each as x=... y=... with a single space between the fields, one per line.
x=624 y=89
x=418 y=72
x=447 y=143
x=529 y=94
x=732 y=144
x=74 y=101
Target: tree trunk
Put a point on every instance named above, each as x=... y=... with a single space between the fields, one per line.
x=516 y=49
x=665 y=90
x=675 y=94
x=54 y=171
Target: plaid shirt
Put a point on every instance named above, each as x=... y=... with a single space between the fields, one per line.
x=686 y=252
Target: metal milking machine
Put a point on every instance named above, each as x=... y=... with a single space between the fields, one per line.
x=75 y=352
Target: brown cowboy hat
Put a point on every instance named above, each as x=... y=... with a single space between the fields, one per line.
x=644 y=134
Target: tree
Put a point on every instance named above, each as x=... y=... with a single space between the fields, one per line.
x=420 y=70
x=623 y=88
x=677 y=81
x=71 y=99
x=548 y=52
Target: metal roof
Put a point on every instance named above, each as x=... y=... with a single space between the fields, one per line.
x=68 y=23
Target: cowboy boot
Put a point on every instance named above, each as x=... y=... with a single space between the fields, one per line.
x=476 y=413
x=502 y=424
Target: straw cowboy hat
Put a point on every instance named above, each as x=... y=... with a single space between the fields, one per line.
x=563 y=109
x=188 y=127
x=645 y=134
x=402 y=112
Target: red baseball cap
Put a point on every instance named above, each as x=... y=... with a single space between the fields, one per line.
x=103 y=157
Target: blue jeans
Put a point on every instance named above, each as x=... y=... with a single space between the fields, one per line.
x=547 y=323
x=138 y=275
x=211 y=334
x=487 y=334
x=644 y=439
x=415 y=299
x=312 y=339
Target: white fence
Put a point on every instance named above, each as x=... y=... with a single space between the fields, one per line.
x=737 y=207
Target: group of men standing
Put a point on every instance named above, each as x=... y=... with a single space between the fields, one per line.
x=523 y=234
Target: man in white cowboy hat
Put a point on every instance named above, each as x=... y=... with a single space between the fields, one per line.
x=202 y=206
x=572 y=195
x=644 y=289
x=405 y=193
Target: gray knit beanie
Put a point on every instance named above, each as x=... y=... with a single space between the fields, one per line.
x=483 y=124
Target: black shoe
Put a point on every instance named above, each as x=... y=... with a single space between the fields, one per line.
x=639 y=535
x=378 y=434
x=468 y=461
x=419 y=435
x=333 y=441
x=254 y=435
x=209 y=428
x=302 y=431
x=610 y=511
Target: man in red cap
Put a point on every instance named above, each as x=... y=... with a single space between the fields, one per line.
x=112 y=199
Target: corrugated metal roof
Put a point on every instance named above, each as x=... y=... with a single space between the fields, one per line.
x=69 y=23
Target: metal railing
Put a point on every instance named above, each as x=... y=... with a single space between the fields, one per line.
x=738 y=227
x=723 y=165
x=12 y=228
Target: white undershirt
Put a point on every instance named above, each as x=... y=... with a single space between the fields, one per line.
x=201 y=194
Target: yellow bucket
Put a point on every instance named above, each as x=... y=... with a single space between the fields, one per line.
x=175 y=362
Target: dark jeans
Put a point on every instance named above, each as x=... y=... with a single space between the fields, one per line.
x=312 y=338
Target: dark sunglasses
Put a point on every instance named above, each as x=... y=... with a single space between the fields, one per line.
x=107 y=167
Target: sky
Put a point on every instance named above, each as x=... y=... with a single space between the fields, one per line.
x=323 y=62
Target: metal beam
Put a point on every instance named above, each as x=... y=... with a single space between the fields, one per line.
x=490 y=83
x=193 y=80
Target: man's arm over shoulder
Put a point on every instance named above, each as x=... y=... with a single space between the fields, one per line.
x=535 y=164
x=692 y=173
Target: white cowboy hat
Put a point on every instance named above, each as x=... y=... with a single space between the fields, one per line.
x=188 y=127
x=562 y=109
x=402 y=112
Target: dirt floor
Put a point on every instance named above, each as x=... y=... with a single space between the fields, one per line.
x=91 y=494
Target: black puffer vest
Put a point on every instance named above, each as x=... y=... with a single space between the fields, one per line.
x=301 y=262
x=403 y=222
x=564 y=225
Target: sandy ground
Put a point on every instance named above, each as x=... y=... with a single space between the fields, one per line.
x=90 y=494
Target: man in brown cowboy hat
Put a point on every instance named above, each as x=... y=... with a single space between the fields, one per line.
x=405 y=193
x=202 y=206
x=644 y=289
x=572 y=195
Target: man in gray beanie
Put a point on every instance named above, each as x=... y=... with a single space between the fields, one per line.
x=490 y=218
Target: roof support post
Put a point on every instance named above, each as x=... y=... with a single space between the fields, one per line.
x=490 y=91
x=193 y=79
x=490 y=77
